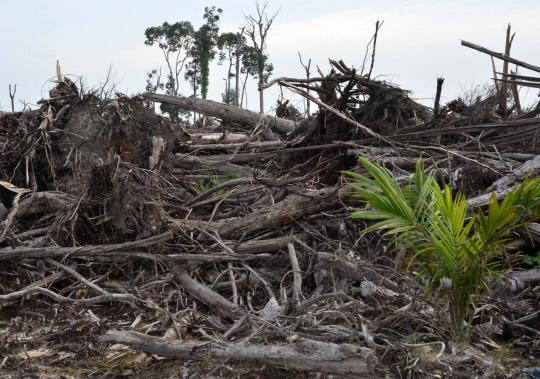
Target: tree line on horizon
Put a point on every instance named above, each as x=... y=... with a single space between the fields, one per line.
x=188 y=51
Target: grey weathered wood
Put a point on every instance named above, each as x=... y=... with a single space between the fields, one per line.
x=186 y=161
x=50 y=251
x=223 y=111
x=203 y=293
x=233 y=146
x=504 y=185
x=293 y=207
x=302 y=354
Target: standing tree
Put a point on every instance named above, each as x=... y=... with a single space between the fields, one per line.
x=12 y=96
x=251 y=67
x=153 y=84
x=257 y=28
x=175 y=41
x=193 y=75
x=239 y=44
x=228 y=50
x=204 y=43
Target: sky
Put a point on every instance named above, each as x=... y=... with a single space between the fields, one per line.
x=418 y=42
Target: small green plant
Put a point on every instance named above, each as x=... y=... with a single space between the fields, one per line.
x=457 y=251
x=533 y=261
x=203 y=185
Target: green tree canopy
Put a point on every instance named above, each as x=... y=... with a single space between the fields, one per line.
x=227 y=44
x=251 y=60
x=175 y=41
x=204 y=43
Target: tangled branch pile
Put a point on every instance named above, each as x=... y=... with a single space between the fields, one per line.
x=231 y=244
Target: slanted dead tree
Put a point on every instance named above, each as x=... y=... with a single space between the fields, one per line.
x=373 y=40
x=372 y=64
x=223 y=111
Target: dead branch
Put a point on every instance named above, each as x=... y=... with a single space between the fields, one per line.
x=500 y=56
x=301 y=354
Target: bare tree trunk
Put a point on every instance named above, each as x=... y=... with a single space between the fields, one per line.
x=515 y=95
x=307 y=69
x=504 y=83
x=238 y=49
x=261 y=100
x=437 y=105
x=244 y=91
x=12 y=96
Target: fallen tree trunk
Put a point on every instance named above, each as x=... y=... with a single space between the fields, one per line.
x=285 y=212
x=202 y=163
x=517 y=280
x=223 y=111
x=215 y=138
x=233 y=146
x=11 y=254
x=504 y=185
x=528 y=277
x=303 y=354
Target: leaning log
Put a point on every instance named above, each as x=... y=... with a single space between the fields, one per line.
x=500 y=56
x=302 y=354
x=223 y=111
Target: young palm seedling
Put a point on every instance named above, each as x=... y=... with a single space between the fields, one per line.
x=456 y=250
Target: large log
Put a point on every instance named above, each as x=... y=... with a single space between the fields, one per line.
x=190 y=162
x=283 y=213
x=504 y=185
x=303 y=354
x=223 y=111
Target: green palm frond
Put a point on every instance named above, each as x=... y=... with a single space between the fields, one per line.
x=435 y=225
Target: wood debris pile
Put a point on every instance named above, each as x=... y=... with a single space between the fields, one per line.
x=229 y=246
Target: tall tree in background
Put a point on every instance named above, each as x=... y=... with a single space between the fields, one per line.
x=175 y=41
x=193 y=75
x=251 y=60
x=204 y=43
x=257 y=28
x=227 y=44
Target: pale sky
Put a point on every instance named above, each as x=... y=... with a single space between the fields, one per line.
x=419 y=41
